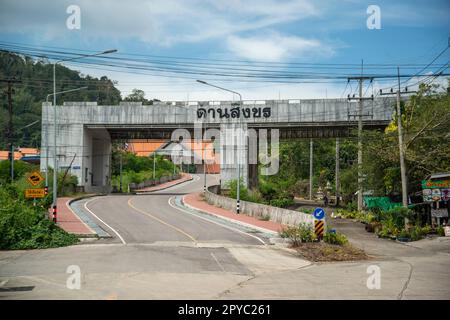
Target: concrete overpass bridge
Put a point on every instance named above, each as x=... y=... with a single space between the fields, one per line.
x=86 y=130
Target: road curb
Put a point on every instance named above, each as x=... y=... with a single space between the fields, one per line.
x=243 y=224
x=275 y=244
x=96 y=235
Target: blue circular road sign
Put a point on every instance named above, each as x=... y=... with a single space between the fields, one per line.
x=319 y=213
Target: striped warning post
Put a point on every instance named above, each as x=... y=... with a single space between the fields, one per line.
x=319 y=227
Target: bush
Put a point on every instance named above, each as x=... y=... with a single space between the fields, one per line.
x=335 y=238
x=137 y=169
x=397 y=216
x=23 y=226
x=282 y=203
x=306 y=210
x=426 y=230
x=403 y=234
x=347 y=214
x=267 y=189
x=367 y=218
x=20 y=169
x=414 y=233
x=440 y=231
x=351 y=206
x=243 y=191
x=255 y=196
x=388 y=228
x=302 y=233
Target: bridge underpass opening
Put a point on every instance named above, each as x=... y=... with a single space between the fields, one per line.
x=85 y=130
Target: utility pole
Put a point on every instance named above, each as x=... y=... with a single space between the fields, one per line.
x=174 y=165
x=204 y=161
x=154 y=165
x=310 y=168
x=360 y=127
x=55 y=122
x=360 y=99
x=336 y=175
x=204 y=175
x=10 y=132
x=10 y=129
x=401 y=145
x=120 y=169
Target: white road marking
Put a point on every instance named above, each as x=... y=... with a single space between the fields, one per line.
x=3 y=283
x=85 y=206
x=214 y=222
x=218 y=263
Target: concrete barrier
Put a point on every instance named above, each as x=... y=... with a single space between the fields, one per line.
x=151 y=182
x=280 y=215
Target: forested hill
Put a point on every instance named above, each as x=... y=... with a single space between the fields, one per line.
x=36 y=82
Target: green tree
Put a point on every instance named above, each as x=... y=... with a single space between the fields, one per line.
x=36 y=78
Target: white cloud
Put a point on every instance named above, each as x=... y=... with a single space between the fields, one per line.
x=157 y=22
x=276 y=47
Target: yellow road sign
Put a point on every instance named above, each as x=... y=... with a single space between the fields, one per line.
x=35 y=178
x=319 y=228
x=34 y=193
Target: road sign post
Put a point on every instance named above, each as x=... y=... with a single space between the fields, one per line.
x=319 y=227
x=34 y=179
x=319 y=222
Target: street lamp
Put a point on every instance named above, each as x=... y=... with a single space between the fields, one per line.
x=46 y=131
x=238 y=191
x=55 y=182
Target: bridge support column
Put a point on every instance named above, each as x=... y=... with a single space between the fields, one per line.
x=233 y=152
x=96 y=172
x=253 y=152
x=253 y=176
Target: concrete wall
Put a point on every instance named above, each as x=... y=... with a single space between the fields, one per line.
x=89 y=150
x=283 y=216
x=287 y=111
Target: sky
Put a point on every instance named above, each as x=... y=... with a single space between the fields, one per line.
x=255 y=31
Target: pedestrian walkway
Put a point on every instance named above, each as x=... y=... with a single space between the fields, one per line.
x=184 y=177
x=69 y=221
x=195 y=201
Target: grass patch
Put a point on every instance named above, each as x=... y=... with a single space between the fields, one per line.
x=265 y=217
x=325 y=252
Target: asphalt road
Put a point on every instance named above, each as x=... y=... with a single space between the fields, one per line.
x=160 y=252
x=150 y=218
